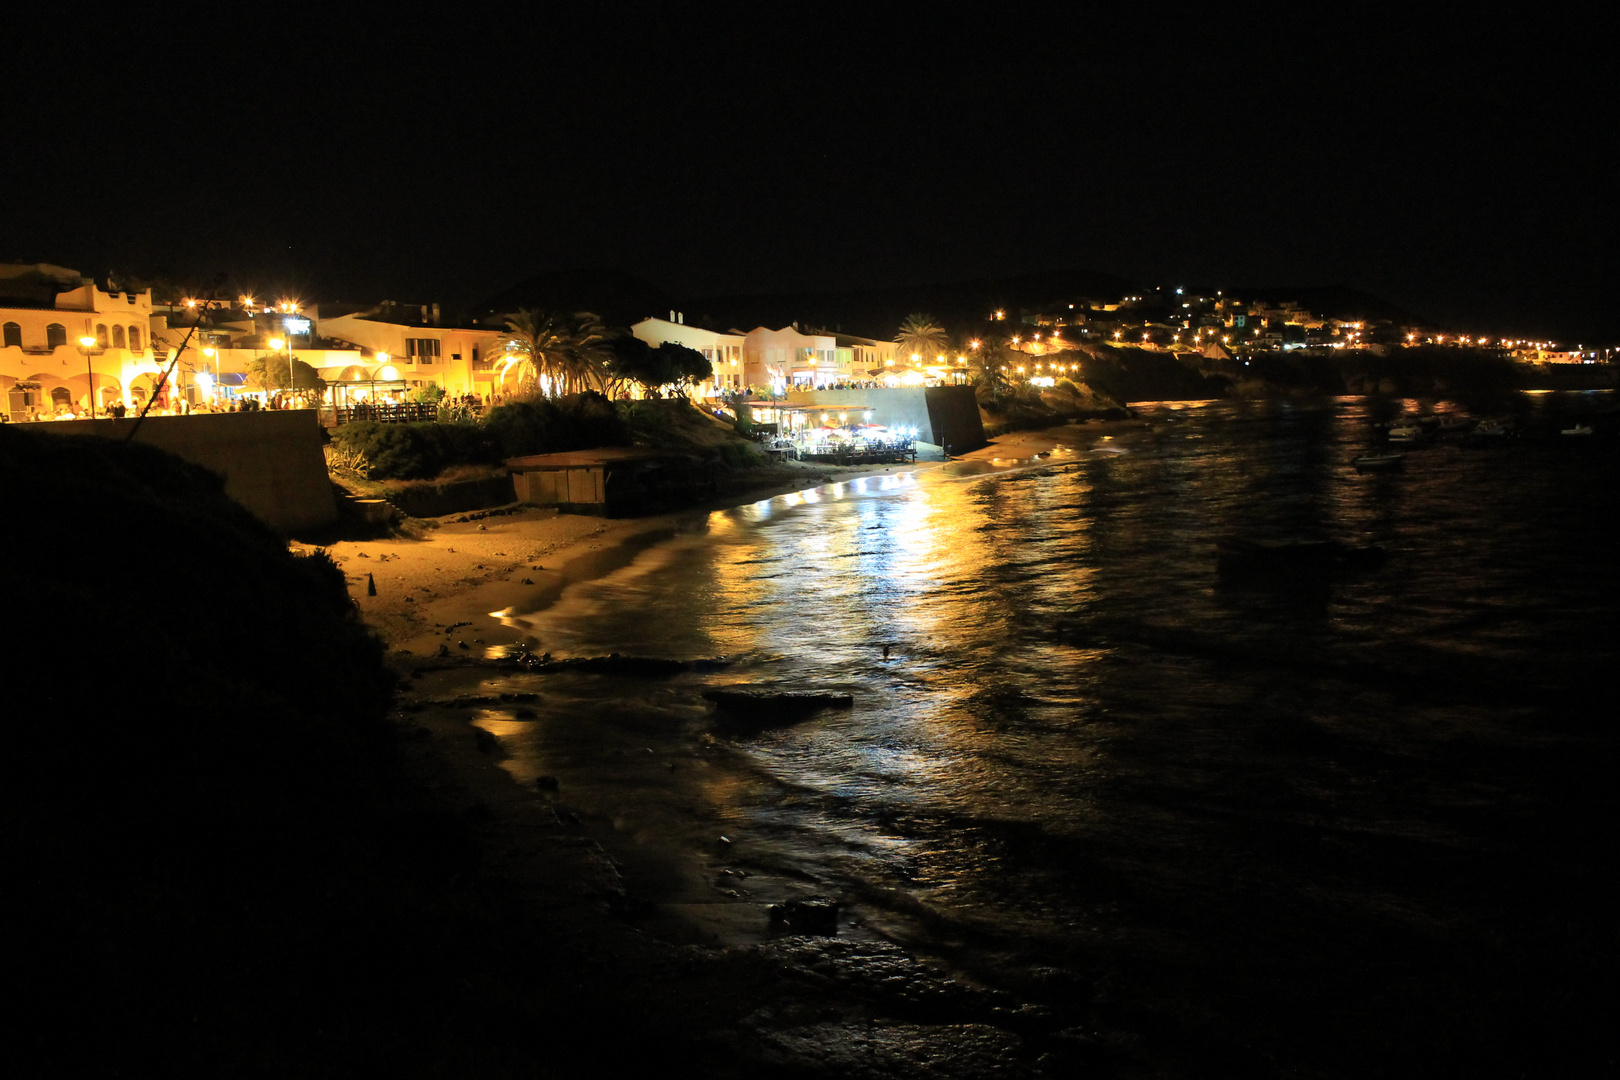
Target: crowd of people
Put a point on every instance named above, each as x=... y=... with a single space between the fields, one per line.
x=165 y=406
x=173 y=405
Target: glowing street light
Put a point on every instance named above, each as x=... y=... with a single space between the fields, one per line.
x=214 y=357
x=87 y=343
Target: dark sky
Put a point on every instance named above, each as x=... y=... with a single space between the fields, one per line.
x=1462 y=175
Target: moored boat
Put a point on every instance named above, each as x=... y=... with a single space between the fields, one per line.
x=1378 y=462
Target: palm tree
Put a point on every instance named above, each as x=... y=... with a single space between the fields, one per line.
x=584 y=360
x=921 y=336
x=563 y=354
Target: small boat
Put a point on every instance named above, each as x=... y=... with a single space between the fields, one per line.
x=1378 y=462
x=1405 y=433
x=1578 y=429
x=1490 y=429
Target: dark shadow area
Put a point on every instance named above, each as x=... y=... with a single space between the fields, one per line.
x=225 y=857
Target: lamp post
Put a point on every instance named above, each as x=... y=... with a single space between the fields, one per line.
x=213 y=358
x=275 y=344
x=87 y=343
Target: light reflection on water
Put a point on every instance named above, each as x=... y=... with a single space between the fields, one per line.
x=1081 y=743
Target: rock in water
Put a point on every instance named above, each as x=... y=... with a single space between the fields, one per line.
x=757 y=708
x=812 y=915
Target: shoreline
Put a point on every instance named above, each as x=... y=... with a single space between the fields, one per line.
x=819 y=1006
x=453 y=571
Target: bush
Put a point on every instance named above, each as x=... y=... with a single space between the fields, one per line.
x=415 y=451
x=550 y=426
x=541 y=426
x=656 y=421
x=739 y=455
x=745 y=420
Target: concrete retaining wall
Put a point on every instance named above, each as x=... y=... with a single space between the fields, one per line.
x=272 y=462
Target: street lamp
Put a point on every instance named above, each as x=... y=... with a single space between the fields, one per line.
x=275 y=344
x=87 y=343
x=213 y=356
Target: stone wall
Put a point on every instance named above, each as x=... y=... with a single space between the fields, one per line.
x=272 y=462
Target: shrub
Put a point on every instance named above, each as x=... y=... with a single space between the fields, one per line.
x=414 y=451
x=651 y=422
x=738 y=455
x=549 y=426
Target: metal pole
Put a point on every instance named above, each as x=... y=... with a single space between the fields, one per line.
x=90 y=381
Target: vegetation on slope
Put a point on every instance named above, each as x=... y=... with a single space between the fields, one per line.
x=220 y=862
x=538 y=425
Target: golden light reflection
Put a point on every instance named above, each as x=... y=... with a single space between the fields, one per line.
x=502 y=725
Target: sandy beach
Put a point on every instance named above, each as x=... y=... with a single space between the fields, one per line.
x=455 y=570
x=458 y=569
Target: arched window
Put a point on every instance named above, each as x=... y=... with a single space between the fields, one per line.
x=118 y=337
x=135 y=338
x=13 y=335
x=101 y=335
x=55 y=335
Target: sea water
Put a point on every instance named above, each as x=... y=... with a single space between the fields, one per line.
x=1332 y=826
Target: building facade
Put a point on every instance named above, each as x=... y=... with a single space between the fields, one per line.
x=724 y=351
x=460 y=359
x=68 y=346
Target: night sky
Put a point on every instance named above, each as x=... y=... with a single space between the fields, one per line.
x=1462 y=176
